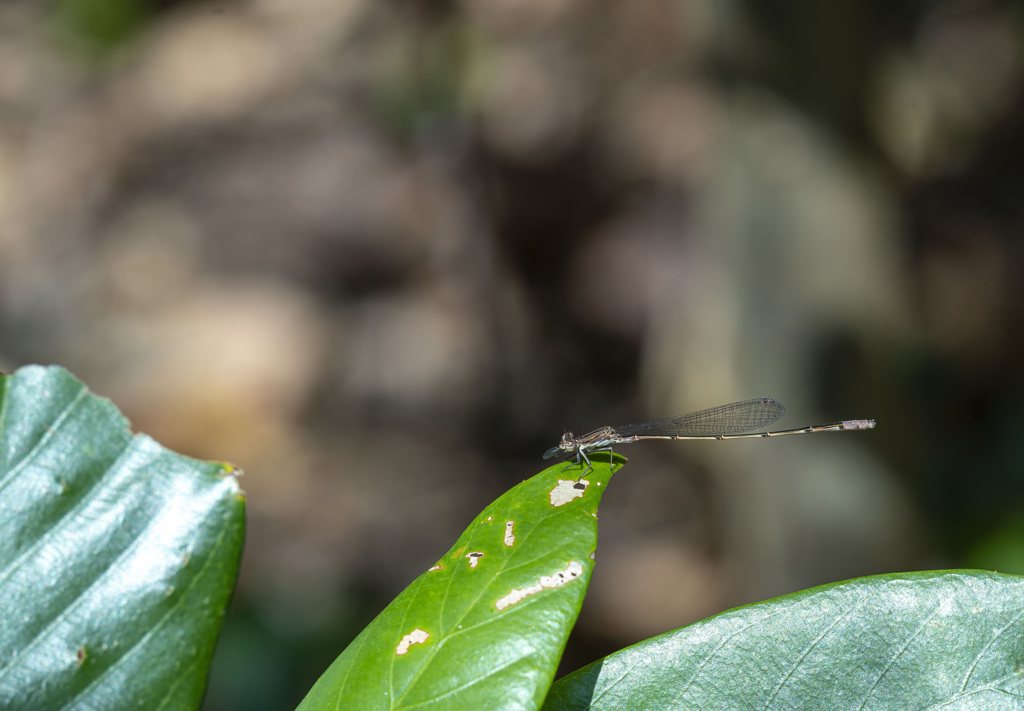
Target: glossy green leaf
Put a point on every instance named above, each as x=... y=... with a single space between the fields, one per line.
x=117 y=556
x=936 y=640
x=486 y=626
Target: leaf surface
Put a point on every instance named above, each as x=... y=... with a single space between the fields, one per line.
x=486 y=626
x=117 y=556
x=934 y=640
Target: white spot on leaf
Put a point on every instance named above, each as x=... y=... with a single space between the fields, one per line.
x=435 y=567
x=510 y=538
x=571 y=572
x=417 y=636
x=566 y=490
x=474 y=558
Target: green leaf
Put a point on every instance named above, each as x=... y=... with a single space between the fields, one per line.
x=949 y=640
x=117 y=556
x=486 y=626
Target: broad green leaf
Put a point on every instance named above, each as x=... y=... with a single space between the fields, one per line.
x=486 y=626
x=935 y=640
x=117 y=556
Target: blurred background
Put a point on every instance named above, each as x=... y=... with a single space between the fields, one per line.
x=381 y=254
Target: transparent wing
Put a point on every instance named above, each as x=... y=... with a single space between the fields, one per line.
x=734 y=418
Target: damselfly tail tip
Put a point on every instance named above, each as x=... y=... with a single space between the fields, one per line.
x=858 y=424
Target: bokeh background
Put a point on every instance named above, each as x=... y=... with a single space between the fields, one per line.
x=381 y=254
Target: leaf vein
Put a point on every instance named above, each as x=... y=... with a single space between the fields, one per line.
x=899 y=653
x=137 y=645
x=981 y=653
x=810 y=648
x=50 y=433
x=462 y=687
x=707 y=660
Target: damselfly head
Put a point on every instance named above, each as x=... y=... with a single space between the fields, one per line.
x=564 y=447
